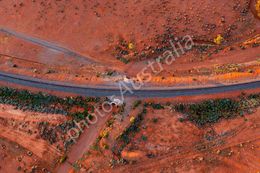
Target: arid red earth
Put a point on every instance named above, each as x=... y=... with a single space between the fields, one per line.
x=165 y=142
x=159 y=43
x=119 y=38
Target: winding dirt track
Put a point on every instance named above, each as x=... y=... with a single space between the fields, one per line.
x=105 y=90
x=46 y=44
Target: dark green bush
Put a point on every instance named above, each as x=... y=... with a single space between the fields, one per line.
x=211 y=111
x=137 y=103
x=45 y=103
x=157 y=106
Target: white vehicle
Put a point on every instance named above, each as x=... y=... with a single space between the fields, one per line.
x=115 y=101
x=127 y=80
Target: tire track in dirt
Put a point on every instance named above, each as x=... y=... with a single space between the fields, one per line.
x=85 y=141
x=163 y=160
x=47 y=44
x=191 y=152
x=39 y=147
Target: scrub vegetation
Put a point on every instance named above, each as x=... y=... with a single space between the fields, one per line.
x=211 y=111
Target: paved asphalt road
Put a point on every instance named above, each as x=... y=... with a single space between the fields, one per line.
x=103 y=91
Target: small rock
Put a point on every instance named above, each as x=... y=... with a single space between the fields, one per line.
x=19 y=159
x=29 y=153
x=200 y=159
x=35 y=70
x=223 y=19
x=218 y=151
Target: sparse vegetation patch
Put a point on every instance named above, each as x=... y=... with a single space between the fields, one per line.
x=45 y=103
x=212 y=111
x=128 y=134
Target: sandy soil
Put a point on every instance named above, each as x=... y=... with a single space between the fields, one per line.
x=183 y=147
x=8 y=112
x=95 y=28
x=169 y=145
x=136 y=31
x=22 y=142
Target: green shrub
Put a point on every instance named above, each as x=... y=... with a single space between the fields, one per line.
x=144 y=138
x=155 y=120
x=45 y=103
x=137 y=103
x=211 y=111
x=157 y=106
x=63 y=159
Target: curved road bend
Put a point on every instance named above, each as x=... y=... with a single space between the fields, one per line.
x=103 y=91
x=46 y=44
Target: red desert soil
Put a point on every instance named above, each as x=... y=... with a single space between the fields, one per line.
x=96 y=28
x=23 y=147
x=184 y=148
x=39 y=147
x=106 y=31
x=83 y=144
x=7 y=112
x=169 y=145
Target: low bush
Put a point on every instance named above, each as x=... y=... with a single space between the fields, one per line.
x=157 y=106
x=211 y=111
x=45 y=103
x=128 y=133
x=137 y=103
